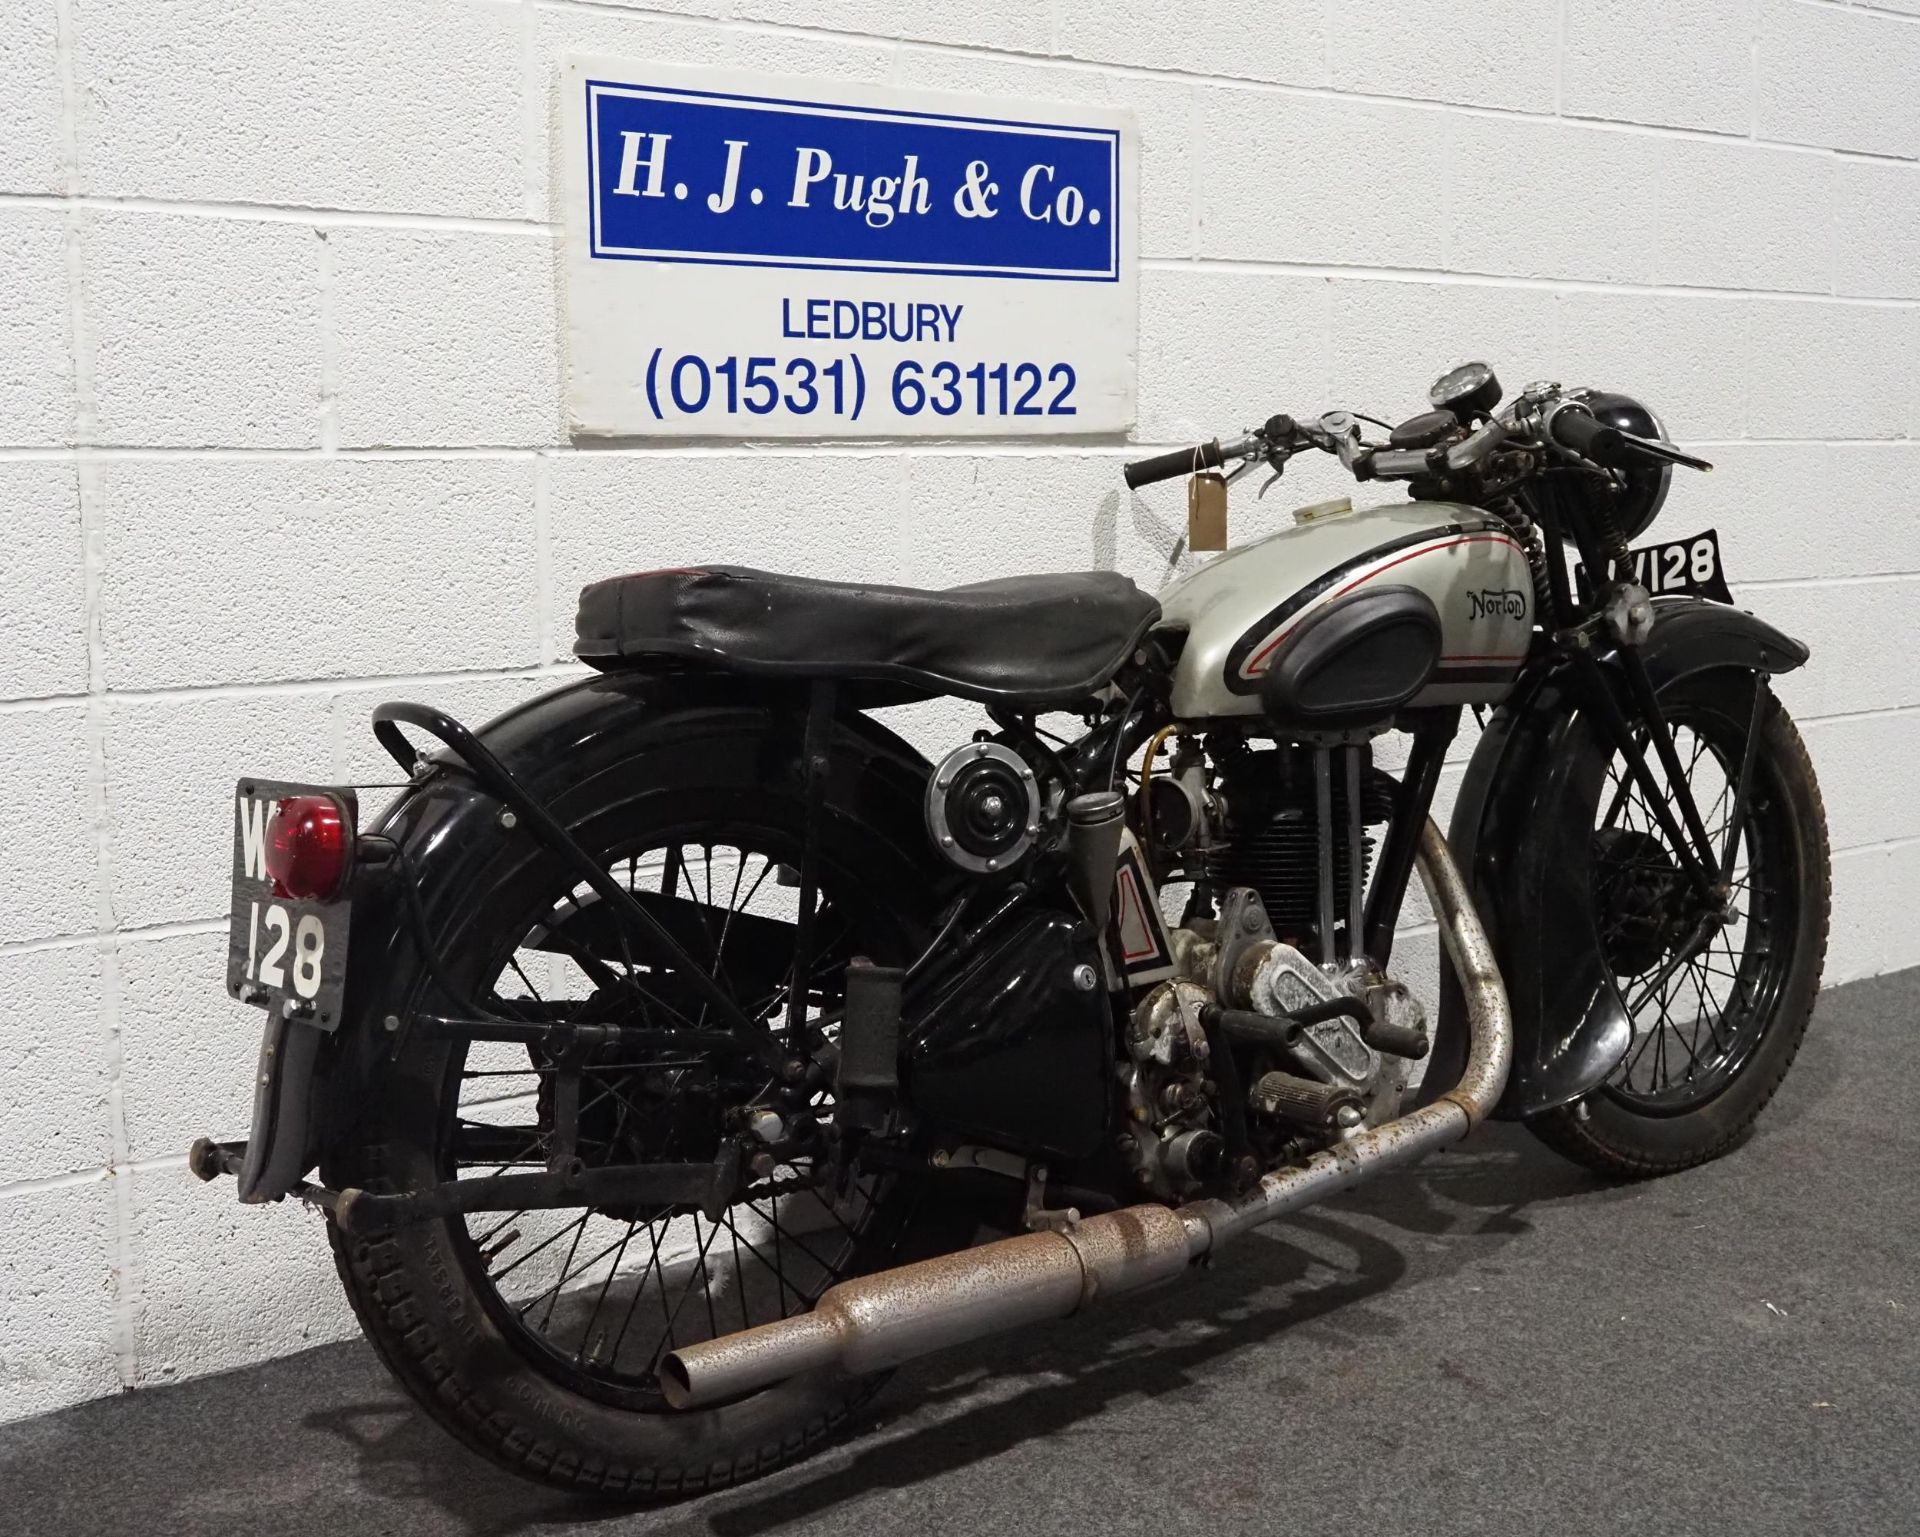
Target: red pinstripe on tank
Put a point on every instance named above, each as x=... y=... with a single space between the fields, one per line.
x=1256 y=663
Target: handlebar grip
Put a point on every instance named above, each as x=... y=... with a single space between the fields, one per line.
x=1170 y=466
x=1585 y=434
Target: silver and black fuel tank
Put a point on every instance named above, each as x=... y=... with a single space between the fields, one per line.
x=1369 y=592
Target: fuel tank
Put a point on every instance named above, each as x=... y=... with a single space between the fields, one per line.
x=1349 y=615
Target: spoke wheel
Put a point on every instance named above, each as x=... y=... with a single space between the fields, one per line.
x=1717 y=1008
x=601 y=1294
x=534 y=1336
x=1697 y=1002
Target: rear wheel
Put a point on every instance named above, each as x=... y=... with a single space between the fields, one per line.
x=1717 y=1017
x=536 y=1336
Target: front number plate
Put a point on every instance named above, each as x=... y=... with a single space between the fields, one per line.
x=1684 y=565
x=282 y=954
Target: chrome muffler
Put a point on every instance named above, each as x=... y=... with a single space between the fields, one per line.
x=884 y=1319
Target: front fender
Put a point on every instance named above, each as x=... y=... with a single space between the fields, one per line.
x=1520 y=830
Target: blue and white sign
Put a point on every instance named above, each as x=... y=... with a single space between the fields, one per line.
x=761 y=257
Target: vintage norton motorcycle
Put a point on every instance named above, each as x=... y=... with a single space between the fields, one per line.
x=681 y=1050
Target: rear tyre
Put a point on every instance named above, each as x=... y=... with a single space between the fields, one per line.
x=535 y=1337
x=1715 y=1029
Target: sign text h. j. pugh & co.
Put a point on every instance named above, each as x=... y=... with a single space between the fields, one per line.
x=693 y=176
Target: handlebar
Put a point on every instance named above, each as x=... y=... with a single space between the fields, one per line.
x=1541 y=418
x=1398 y=463
x=1172 y=465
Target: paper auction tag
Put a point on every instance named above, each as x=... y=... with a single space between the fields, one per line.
x=1207 y=512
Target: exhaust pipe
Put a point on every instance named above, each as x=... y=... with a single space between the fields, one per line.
x=881 y=1320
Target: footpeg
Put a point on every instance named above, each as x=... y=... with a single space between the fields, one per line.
x=1324 y=1106
x=1396 y=1023
x=1395 y=1040
x=209 y=1159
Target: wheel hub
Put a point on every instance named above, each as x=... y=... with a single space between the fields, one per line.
x=633 y=1110
x=1639 y=895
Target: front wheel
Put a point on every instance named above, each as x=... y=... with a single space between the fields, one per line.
x=1717 y=1019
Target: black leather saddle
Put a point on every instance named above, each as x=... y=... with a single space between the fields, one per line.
x=1030 y=640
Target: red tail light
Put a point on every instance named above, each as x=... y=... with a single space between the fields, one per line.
x=309 y=846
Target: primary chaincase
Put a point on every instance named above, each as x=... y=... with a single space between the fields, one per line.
x=983 y=807
x=1010 y=1041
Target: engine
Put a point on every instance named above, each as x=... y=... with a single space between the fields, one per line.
x=1269 y=832
x=1171 y=1141
x=1274 y=1036
x=1257 y=1030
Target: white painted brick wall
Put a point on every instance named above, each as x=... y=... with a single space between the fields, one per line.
x=1835 y=75
x=1650 y=61
x=179 y=361
x=30 y=115
x=326 y=104
x=36 y=367
x=407 y=373
x=280 y=318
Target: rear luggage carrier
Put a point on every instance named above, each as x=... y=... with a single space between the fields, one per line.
x=274 y=1161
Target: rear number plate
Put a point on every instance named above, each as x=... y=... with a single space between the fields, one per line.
x=282 y=953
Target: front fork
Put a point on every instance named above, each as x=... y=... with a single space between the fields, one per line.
x=1623 y=621
x=1690 y=842
x=1709 y=871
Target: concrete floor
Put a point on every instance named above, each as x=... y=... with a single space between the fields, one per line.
x=1493 y=1342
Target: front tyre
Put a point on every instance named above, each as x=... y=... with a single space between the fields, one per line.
x=1715 y=1025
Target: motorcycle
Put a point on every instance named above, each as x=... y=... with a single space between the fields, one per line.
x=663 y=1053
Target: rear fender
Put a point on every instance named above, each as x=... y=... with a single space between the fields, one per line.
x=1520 y=830
x=450 y=831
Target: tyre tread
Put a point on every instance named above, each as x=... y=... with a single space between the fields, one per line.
x=376 y=1285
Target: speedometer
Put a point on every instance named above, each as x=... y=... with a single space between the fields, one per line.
x=1467 y=391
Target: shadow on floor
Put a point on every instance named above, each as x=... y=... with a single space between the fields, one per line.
x=364 y=1442
x=324 y=1442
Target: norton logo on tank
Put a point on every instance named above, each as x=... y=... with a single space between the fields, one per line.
x=1497 y=602
x=750 y=256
